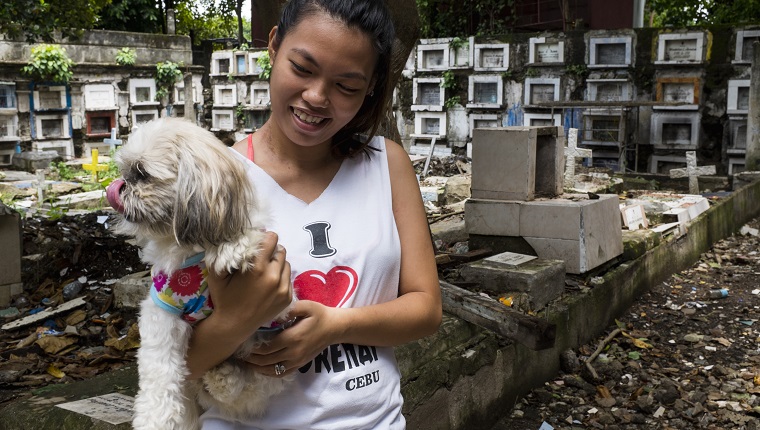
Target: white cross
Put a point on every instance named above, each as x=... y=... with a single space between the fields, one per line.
x=692 y=171
x=113 y=141
x=571 y=153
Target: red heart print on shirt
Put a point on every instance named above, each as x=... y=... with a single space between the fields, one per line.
x=332 y=289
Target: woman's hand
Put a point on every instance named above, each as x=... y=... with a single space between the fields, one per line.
x=251 y=299
x=243 y=302
x=315 y=329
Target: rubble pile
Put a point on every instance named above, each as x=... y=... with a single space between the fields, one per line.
x=64 y=326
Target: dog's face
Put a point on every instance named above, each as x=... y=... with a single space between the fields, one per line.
x=180 y=181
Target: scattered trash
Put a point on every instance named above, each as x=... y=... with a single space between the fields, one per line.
x=746 y=230
x=71 y=290
x=718 y=294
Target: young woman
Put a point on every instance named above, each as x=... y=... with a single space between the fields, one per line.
x=349 y=213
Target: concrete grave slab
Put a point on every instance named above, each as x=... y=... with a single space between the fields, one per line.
x=492 y=217
x=584 y=233
x=505 y=160
x=543 y=280
x=10 y=254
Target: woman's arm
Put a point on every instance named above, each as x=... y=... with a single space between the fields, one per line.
x=414 y=314
x=243 y=302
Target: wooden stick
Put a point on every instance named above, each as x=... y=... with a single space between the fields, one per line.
x=599 y=349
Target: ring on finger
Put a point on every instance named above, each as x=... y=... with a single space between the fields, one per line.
x=279 y=369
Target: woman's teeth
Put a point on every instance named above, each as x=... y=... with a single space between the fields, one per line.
x=307 y=118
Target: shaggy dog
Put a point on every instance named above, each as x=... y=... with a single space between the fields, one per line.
x=191 y=207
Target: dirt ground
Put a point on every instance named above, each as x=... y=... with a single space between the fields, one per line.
x=680 y=361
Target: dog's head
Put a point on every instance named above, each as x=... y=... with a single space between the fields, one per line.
x=181 y=182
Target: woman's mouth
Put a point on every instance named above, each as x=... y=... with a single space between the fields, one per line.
x=306 y=118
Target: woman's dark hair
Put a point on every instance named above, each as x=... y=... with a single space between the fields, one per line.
x=372 y=18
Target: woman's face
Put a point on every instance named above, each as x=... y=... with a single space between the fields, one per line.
x=321 y=73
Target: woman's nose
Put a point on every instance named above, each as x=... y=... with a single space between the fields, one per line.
x=316 y=95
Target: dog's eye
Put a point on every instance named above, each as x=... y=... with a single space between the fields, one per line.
x=137 y=173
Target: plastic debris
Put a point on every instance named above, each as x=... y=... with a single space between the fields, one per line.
x=71 y=290
x=718 y=294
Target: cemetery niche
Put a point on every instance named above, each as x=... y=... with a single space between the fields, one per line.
x=680 y=48
x=485 y=91
x=610 y=52
x=428 y=94
x=491 y=57
x=678 y=90
x=608 y=90
x=545 y=50
x=744 y=42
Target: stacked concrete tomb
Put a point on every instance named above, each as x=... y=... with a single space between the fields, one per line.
x=517 y=203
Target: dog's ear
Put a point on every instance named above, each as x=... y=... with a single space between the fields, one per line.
x=217 y=196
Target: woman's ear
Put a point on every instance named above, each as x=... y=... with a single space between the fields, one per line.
x=274 y=44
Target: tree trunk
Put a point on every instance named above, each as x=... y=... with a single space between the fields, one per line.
x=407 y=21
x=239 y=14
x=264 y=16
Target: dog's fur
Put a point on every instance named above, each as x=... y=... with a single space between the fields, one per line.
x=183 y=193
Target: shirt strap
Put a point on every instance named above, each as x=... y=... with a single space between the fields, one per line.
x=250 y=147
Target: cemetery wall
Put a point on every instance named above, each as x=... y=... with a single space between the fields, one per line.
x=102 y=101
x=640 y=98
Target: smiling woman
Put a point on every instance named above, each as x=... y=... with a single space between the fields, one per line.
x=346 y=206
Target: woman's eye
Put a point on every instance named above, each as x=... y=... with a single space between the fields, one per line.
x=298 y=68
x=348 y=89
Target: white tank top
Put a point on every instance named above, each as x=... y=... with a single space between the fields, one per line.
x=344 y=251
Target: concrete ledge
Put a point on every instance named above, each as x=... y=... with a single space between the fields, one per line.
x=479 y=399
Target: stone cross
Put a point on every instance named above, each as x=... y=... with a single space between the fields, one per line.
x=571 y=153
x=692 y=171
x=41 y=186
x=112 y=141
x=95 y=167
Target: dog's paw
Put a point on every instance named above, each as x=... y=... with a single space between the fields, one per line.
x=224 y=382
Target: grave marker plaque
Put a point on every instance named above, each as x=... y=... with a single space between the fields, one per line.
x=490 y=58
x=678 y=92
x=740 y=138
x=676 y=134
x=747 y=50
x=52 y=127
x=540 y=93
x=486 y=92
x=50 y=100
x=611 y=53
x=226 y=96
x=681 y=50
x=431 y=125
x=742 y=98
x=260 y=97
x=547 y=52
x=142 y=94
x=605 y=129
x=609 y=92
x=432 y=59
x=430 y=94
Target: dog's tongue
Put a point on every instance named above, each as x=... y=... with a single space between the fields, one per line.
x=113 y=195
